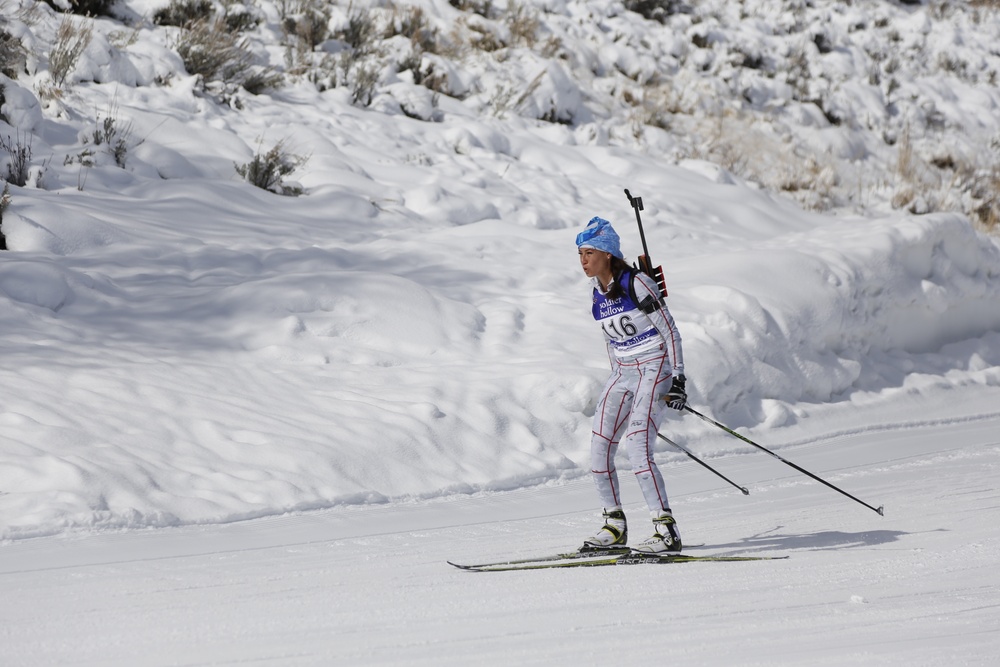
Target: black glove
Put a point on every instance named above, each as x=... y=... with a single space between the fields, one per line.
x=677 y=396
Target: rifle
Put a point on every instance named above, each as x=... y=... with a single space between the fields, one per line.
x=645 y=263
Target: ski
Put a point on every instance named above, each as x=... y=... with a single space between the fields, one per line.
x=579 y=554
x=593 y=560
x=572 y=555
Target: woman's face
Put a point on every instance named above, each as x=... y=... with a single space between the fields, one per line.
x=595 y=262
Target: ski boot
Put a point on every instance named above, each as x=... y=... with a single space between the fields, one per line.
x=612 y=535
x=666 y=539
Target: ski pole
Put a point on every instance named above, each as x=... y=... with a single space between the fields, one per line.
x=702 y=463
x=730 y=431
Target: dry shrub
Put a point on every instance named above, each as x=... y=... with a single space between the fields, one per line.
x=267 y=170
x=655 y=10
x=4 y=203
x=18 y=151
x=115 y=137
x=307 y=23
x=210 y=51
x=71 y=41
x=412 y=23
x=215 y=54
x=483 y=38
x=360 y=33
x=182 y=13
x=986 y=194
x=482 y=7
x=13 y=55
x=522 y=23
x=910 y=172
x=655 y=104
x=365 y=79
x=83 y=7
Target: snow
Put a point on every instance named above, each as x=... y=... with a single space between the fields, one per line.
x=368 y=584
x=240 y=427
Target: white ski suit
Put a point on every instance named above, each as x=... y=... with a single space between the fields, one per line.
x=645 y=350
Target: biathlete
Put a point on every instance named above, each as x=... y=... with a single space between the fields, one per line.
x=647 y=376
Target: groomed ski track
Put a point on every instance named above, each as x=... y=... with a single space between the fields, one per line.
x=371 y=586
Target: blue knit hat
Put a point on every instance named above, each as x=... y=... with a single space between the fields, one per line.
x=599 y=235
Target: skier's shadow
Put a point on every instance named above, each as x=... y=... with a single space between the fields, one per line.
x=827 y=540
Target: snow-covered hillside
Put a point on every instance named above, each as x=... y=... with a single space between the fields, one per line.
x=183 y=347
x=864 y=106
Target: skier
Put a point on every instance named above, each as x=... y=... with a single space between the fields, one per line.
x=647 y=375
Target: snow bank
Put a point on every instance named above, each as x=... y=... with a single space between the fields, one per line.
x=811 y=317
x=163 y=371
x=181 y=347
